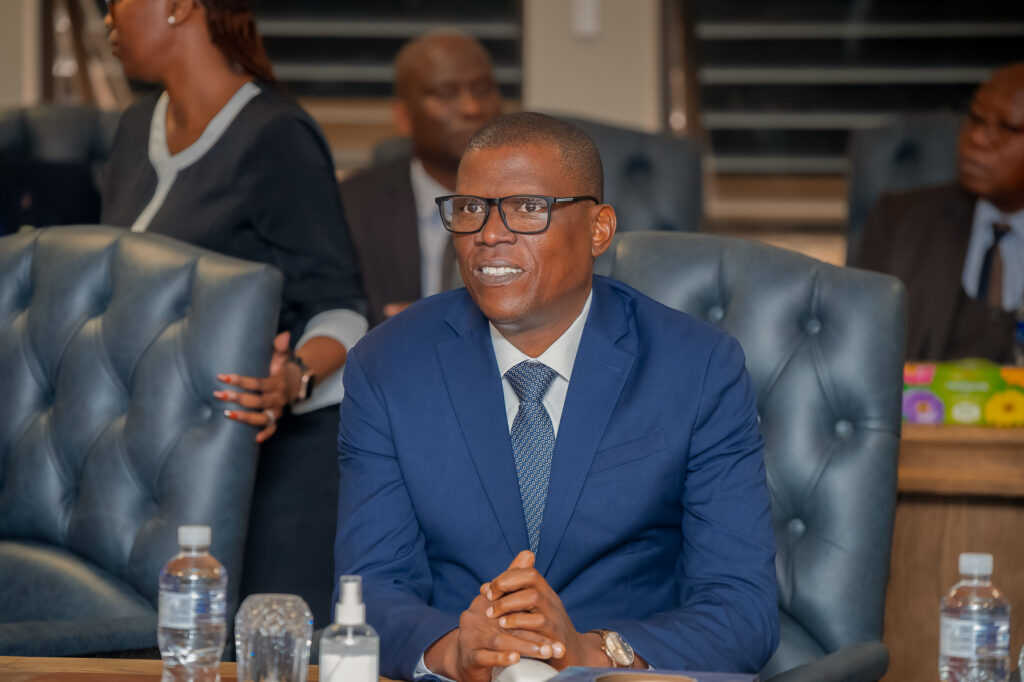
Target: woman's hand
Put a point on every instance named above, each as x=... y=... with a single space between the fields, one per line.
x=264 y=399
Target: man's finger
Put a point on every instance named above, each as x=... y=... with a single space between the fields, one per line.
x=484 y=658
x=531 y=647
x=515 y=579
x=557 y=647
x=523 y=560
x=526 y=599
x=524 y=621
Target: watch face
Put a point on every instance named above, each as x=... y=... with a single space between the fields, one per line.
x=305 y=387
x=618 y=650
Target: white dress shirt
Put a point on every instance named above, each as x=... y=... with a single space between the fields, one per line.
x=1011 y=248
x=560 y=356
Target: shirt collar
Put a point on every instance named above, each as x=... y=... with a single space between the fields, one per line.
x=560 y=355
x=985 y=214
x=425 y=189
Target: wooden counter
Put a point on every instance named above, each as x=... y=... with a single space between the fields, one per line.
x=961 y=489
x=26 y=669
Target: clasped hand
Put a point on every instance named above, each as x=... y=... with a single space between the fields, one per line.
x=517 y=614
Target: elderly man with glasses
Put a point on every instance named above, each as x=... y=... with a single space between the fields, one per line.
x=547 y=464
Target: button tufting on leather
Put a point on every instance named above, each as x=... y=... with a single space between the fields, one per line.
x=796 y=527
x=844 y=428
x=716 y=313
x=205 y=411
x=812 y=326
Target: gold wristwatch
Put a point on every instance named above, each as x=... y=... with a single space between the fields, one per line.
x=618 y=651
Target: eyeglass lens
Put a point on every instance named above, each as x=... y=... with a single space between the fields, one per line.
x=521 y=213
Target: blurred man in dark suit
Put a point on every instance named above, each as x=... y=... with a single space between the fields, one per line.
x=959 y=248
x=446 y=92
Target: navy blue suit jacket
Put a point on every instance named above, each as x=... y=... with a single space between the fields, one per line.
x=657 y=522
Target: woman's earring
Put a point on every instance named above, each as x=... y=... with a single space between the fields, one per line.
x=171 y=19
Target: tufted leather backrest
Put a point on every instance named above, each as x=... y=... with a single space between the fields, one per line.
x=913 y=151
x=110 y=438
x=824 y=346
x=653 y=181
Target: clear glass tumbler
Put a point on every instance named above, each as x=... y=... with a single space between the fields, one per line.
x=273 y=633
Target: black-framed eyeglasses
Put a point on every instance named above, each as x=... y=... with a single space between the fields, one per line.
x=521 y=213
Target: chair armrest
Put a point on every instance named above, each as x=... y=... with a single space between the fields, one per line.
x=860 y=662
x=79 y=637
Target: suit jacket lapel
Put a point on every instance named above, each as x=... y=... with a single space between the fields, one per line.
x=603 y=363
x=471 y=375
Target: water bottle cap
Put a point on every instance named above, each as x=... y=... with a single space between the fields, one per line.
x=194 y=536
x=975 y=563
x=350 y=609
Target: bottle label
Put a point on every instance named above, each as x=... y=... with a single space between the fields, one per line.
x=960 y=638
x=335 y=668
x=184 y=611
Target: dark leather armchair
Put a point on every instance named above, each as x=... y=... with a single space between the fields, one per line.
x=110 y=437
x=50 y=157
x=912 y=152
x=653 y=181
x=824 y=346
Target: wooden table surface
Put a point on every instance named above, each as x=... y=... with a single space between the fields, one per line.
x=962 y=460
x=24 y=668
x=961 y=489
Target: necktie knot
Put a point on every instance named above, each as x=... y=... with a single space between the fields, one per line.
x=530 y=380
x=999 y=230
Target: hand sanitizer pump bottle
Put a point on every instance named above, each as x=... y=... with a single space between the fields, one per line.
x=350 y=649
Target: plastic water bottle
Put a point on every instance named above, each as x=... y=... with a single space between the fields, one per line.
x=974 y=638
x=192 y=620
x=350 y=649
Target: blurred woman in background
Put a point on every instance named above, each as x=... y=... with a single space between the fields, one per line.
x=222 y=159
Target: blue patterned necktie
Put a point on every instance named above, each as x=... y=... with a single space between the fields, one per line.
x=533 y=441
